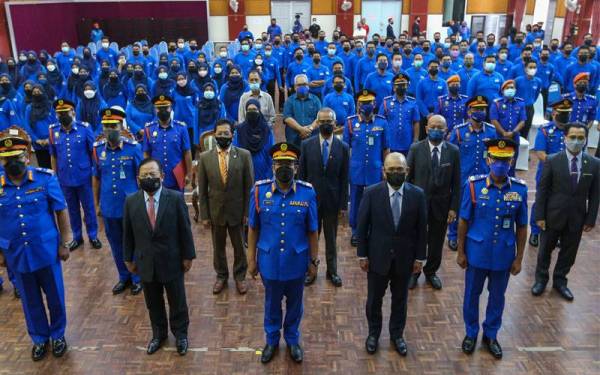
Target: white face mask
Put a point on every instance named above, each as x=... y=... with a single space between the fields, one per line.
x=65 y=49
x=202 y=73
x=397 y=63
x=104 y=45
x=163 y=75
x=180 y=45
x=75 y=70
x=218 y=70
x=258 y=62
x=52 y=68
x=531 y=71
x=89 y=93
x=223 y=54
x=502 y=56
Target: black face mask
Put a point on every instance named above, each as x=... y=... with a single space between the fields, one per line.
x=37 y=98
x=6 y=85
x=136 y=53
x=454 y=89
x=311 y=51
x=193 y=69
x=223 y=142
x=433 y=71
x=284 y=174
x=172 y=49
x=490 y=44
x=138 y=74
x=150 y=184
x=587 y=42
x=562 y=117
x=396 y=179
x=544 y=58
x=553 y=47
x=164 y=115
x=113 y=79
x=526 y=60
x=299 y=57
x=568 y=52
x=326 y=129
x=339 y=87
x=252 y=117
x=15 y=167
x=193 y=48
x=113 y=136
x=64 y=119
x=316 y=60
x=140 y=96
x=400 y=90
x=581 y=88
x=346 y=49
x=145 y=52
x=582 y=58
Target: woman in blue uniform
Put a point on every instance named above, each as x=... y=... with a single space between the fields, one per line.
x=255 y=135
x=232 y=91
x=88 y=108
x=114 y=91
x=139 y=111
x=184 y=106
x=208 y=110
x=39 y=115
x=55 y=78
x=163 y=85
x=139 y=78
x=218 y=75
x=201 y=77
x=32 y=67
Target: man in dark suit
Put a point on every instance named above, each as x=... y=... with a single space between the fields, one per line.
x=324 y=163
x=566 y=204
x=157 y=234
x=434 y=166
x=225 y=177
x=392 y=238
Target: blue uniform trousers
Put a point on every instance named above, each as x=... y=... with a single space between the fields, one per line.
x=77 y=197
x=453 y=226
x=50 y=281
x=497 y=283
x=293 y=291
x=535 y=229
x=114 y=232
x=356 y=193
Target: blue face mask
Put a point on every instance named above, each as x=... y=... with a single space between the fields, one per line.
x=478 y=116
x=366 y=109
x=254 y=86
x=209 y=95
x=510 y=93
x=500 y=168
x=302 y=90
x=435 y=135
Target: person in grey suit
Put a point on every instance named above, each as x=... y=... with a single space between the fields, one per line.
x=157 y=234
x=566 y=204
x=434 y=166
x=225 y=177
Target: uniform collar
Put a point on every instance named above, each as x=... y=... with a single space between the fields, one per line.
x=275 y=187
x=73 y=128
x=119 y=146
x=4 y=180
x=169 y=126
x=490 y=183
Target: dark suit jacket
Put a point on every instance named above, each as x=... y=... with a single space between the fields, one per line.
x=557 y=202
x=225 y=204
x=379 y=240
x=442 y=190
x=331 y=183
x=158 y=253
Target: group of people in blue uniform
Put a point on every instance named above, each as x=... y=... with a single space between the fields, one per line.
x=93 y=118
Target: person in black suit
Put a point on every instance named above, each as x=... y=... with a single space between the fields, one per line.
x=392 y=238
x=157 y=234
x=434 y=166
x=566 y=204
x=324 y=163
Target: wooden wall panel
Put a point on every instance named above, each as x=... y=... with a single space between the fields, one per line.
x=357 y=7
x=487 y=6
x=323 y=7
x=257 y=7
x=561 y=10
x=436 y=7
x=218 y=7
x=531 y=6
x=406 y=7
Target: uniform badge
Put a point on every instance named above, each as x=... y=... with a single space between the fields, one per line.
x=551 y=131
x=357 y=125
x=512 y=197
x=103 y=154
x=467 y=135
x=1 y=191
x=8 y=143
x=269 y=194
x=155 y=134
x=484 y=191
x=503 y=106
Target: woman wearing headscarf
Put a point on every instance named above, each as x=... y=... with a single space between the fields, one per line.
x=218 y=75
x=104 y=72
x=114 y=92
x=201 y=77
x=27 y=90
x=13 y=71
x=10 y=100
x=42 y=79
x=55 y=78
x=88 y=108
x=89 y=62
x=83 y=77
x=255 y=136
x=21 y=59
x=163 y=85
x=208 y=110
x=127 y=74
x=140 y=111
x=232 y=91
x=43 y=57
x=163 y=60
x=139 y=78
x=174 y=68
x=32 y=67
x=39 y=115
x=184 y=104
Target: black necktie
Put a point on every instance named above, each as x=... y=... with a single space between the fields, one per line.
x=574 y=173
x=435 y=160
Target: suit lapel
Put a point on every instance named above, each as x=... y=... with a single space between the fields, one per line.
x=585 y=168
x=385 y=196
x=163 y=201
x=141 y=201
x=233 y=159
x=215 y=162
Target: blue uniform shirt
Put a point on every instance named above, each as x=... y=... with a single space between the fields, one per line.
x=504 y=68
x=471 y=147
x=29 y=238
x=465 y=77
x=116 y=170
x=342 y=104
x=492 y=213
x=283 y=220
x=367 y=140
x=415 y=75
x=317 y=73
x=428 y=91
x=304 y=111
x=508 y=112
x=454 y=109
x=485 y=84
x=550 y=139
x=295 y=68
x=363 y=67
x=168 y=146
x=528 y=89
x=380 y=84
x=73 y=153
x=400 y=116
x=584 y=109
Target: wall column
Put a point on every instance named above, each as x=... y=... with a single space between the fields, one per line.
x=236 y=21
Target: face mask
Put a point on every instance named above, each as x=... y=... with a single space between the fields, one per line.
x=519 y=40
x=258 y=46
x=209 y=95
x=581 y=88
x=37 y=98
x=426 y=49
x=339 y=87
x=223 y=54
x=544 y=58
x=582 y=58
x=526 y=60
x=223 y=142
x=51 y=68
x=311 y=50
x=587 y=42
x=299 y=58
x=64 y=119
x=346 y=49
x=574 y=146
x=502 y=56
x=113 y=79
x=562 y=117
x=174 y=68
x=446 y=64
x=6 y=85
x=203 y=73
x=65 y=49
x=490 y=44
x=418 y=63
x=277 y=42
x=454 y=89
x=568 y=52
x=104 y=45
x=396 y=179
x=367 y=109
x=454 y=53
x=138 y=74
x=435 y=135
x=480 y=50
x=536 y=45
x=489 y=67
x=182 y=83
x=150 y=184
x=326 y=129
x=254 y=86
x=89 y=93
x=163 y=75
x=235 y=79
x=140 y=96
x=245 y=47
x=218 y=70
x=553 y=47
x=433 y=71
x=42 y=81
x=382 y=65
x=15 y=167
x=331 y=51
x=302 y=90
x=75 y=70
x=164 y=115
x=500 y=168
x=284 y=174
x=531 y=71
x=468 y=64
x=193 y=47
x=478 y=116
x=268 y=53
x=113 y=136
x=370 y=51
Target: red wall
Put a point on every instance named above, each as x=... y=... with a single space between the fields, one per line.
x=58 y=21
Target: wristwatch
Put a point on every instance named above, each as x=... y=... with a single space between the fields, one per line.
x=315 y=262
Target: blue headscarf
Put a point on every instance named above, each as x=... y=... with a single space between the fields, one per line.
x=234 y=89
x=163 y=86
x=143 y=104
x=112 y=89
x=31 y=68
x=208 y=109
x=11 y=92
x=90 y=107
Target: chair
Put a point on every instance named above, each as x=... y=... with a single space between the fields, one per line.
x=93 y=47
x=207 y=141
x=537 y=121
x=114 y=46
x=593 y=134
x=79 y=51
x=162 y=47
x=522 y=163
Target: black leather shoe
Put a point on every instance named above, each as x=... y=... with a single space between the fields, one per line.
x=453 y=245
x=435 y=281
x=1 y=288
x=565 y=292
x=400 y=346
x=335 y=280
x=354 y=240
x=309 y=280
x=182 y=345
x=267 y=353
x=136 y=289
x=154 y=345
x=493 y=346
x=534 y=239
x=16 y=293
x=296 y=353
x=412 y=282
x=371 y=344
x=39 y=351
x=59 y=347
x=120 y=287
x=468 y=345
x=538 y=288
x=75 y=244
x=96 y=244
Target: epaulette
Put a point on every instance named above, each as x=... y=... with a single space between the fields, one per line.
x=490 y=125
x=52 y=126
x=477 y=177
x=84 y=124
x=519 y=99
x=518 y=181
x=148 y=124
x=462 y=96
x=410 y=97
x=129 y=141
x=389 y=97
x=263 y=182
x=590 y=96
x=353 y=116
x=461 y=125
x=307 y=184
x=99 y=142
x=380 y=116
x=498 y=100
x=44 y=170
x=181 y=123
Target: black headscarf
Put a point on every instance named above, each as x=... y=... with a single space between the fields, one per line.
x=90 y=107
x=219 y=77
x=208 y=109
x=27 y=96
x=31 y=67
x=88 y=60
x=163 y=86
x=73 y=79
x=234 y=89
x=13 y=71
x=39 y=108
x=11 y=92
x=201 y=81
x=143 y=104
x=55 y=78
x=50 y=92
x=138 y=79
x=112 y=89
x=250 y=136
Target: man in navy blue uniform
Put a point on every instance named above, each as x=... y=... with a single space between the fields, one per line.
x=584 y=105
x=33 y=239
x=366 y=136
x=70 y=144
x=283 y=246
x=117 y=157
x=168 y=141
x=493 y=222
x=452 y=106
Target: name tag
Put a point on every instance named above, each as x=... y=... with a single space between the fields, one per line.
x=268 y=202
x=299 y=203
x=34 y=190
x=370 y=141
x=506 y=223
x=512 y=197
